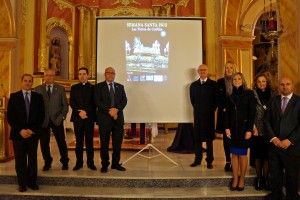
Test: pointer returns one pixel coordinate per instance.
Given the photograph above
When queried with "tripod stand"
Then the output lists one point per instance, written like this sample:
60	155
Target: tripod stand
149	147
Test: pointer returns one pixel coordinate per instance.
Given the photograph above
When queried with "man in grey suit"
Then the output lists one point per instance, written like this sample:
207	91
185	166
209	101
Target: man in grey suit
56	109
283	127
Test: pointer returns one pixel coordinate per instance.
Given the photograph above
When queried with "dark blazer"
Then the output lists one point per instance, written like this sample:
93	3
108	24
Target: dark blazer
56	108
16	114
103	103
286	125
203	99
239	116
82	98
221	102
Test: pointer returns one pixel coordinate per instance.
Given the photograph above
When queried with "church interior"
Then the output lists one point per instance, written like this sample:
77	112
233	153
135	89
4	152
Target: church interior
35	35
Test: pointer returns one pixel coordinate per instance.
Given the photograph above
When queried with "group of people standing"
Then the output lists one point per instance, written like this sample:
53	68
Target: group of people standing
258	118
34	113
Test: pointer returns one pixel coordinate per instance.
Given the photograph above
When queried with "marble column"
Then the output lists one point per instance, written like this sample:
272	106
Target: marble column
43	51
81	60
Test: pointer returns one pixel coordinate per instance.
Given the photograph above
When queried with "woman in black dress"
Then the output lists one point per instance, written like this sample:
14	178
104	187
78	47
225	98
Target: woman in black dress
239	121
224	86
263	93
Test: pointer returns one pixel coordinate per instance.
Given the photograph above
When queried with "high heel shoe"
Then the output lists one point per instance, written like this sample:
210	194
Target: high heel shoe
238	188
231	187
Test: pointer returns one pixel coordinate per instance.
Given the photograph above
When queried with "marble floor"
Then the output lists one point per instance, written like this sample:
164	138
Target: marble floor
138	168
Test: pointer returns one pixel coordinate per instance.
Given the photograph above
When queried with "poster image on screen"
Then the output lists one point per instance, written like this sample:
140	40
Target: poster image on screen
156	59
147	52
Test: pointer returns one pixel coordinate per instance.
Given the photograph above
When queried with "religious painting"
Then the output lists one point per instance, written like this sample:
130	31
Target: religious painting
55	55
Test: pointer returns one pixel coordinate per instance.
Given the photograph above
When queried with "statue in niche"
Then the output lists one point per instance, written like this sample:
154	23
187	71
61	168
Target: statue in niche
55	55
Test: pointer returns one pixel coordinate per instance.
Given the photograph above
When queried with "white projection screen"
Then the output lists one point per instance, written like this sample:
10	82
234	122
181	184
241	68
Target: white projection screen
156	60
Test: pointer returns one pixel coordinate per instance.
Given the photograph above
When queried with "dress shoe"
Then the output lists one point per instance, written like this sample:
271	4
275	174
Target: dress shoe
104	170
194	164
92	167
209	166
47	167
33	186
258	185
77	167
227	167
65	167
118	167
22	188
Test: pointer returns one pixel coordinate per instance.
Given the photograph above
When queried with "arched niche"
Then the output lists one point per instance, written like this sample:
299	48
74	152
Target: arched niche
60	47
265	53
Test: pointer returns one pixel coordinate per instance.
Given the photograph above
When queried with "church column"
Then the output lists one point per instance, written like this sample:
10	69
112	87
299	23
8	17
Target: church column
81	60
43	51
93	45
211	38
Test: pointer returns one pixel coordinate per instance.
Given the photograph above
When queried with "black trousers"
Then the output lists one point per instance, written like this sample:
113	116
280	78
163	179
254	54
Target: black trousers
280	163
142	131
84	131
59	135
116	131
226	146
198	148
26	160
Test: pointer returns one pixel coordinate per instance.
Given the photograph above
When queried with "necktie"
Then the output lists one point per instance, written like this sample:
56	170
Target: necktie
49	90
202	82
284	102
111	94
27	105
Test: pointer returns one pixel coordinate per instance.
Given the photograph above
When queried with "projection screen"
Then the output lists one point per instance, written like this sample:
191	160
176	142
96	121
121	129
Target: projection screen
156	60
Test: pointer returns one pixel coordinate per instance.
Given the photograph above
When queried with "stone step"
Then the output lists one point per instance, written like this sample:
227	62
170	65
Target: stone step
140	182
50	192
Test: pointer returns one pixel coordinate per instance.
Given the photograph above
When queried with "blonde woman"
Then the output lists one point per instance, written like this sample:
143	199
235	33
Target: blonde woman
239	121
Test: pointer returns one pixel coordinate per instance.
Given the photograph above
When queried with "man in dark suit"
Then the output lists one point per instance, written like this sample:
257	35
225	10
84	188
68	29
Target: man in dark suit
282	122
56	109
203	99
110	100
25	115
83	116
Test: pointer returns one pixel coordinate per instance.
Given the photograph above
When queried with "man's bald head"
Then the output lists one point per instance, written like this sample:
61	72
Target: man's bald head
286	85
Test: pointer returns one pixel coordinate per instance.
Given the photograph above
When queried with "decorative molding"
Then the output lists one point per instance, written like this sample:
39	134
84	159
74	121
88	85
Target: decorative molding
126	2
183	3
237	37
126	10
24	9
56	22
62	4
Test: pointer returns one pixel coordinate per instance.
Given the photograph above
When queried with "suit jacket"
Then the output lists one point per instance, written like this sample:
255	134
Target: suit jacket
56	107
203	99
285	125
17	118
239	116
221	102
103	103
82	98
